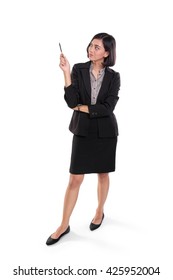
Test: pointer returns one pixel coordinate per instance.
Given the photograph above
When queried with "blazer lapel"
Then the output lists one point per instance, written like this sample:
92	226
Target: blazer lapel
86	79
105	84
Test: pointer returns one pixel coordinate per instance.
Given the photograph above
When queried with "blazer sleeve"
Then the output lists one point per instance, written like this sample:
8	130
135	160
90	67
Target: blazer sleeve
71	95
107	106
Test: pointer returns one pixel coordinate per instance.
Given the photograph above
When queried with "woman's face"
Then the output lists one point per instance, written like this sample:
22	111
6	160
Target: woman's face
96	51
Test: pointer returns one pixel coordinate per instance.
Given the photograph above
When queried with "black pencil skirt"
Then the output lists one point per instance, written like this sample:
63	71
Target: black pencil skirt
92	154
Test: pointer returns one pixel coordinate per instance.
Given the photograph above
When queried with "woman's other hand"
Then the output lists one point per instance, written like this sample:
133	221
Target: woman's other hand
81	108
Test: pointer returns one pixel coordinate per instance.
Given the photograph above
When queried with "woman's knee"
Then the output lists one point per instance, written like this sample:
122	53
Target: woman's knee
75	180
103	176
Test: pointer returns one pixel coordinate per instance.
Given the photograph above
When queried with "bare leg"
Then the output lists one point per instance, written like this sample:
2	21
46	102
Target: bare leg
102	192
69	202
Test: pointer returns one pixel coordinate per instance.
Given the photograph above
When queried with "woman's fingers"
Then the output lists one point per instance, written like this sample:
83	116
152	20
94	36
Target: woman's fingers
62	59
64	64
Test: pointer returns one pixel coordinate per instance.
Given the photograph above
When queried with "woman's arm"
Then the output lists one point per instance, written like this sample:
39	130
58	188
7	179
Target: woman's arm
65	67
71	95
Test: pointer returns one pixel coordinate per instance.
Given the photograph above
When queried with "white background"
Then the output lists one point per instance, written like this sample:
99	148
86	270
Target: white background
35	142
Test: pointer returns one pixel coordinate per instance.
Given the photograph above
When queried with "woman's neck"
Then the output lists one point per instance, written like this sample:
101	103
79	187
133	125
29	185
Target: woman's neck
97	65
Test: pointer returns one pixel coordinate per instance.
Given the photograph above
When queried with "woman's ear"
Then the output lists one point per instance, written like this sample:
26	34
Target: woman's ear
106	54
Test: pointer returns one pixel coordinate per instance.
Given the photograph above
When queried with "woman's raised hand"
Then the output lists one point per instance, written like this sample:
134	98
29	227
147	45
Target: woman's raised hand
64	64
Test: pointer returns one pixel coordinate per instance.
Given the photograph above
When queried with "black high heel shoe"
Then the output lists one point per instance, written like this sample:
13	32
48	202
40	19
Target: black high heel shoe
51	241
95	226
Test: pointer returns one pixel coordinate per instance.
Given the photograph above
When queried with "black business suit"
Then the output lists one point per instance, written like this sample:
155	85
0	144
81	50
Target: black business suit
99	125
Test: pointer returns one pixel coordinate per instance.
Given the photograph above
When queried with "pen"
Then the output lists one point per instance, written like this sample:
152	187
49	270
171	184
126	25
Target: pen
60	47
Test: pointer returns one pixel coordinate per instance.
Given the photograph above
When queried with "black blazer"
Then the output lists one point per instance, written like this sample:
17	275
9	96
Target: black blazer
79	92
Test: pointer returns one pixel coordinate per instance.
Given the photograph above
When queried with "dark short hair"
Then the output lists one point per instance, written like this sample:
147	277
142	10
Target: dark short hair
109	44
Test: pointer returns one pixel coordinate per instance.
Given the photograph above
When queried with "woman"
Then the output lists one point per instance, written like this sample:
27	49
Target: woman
91	91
